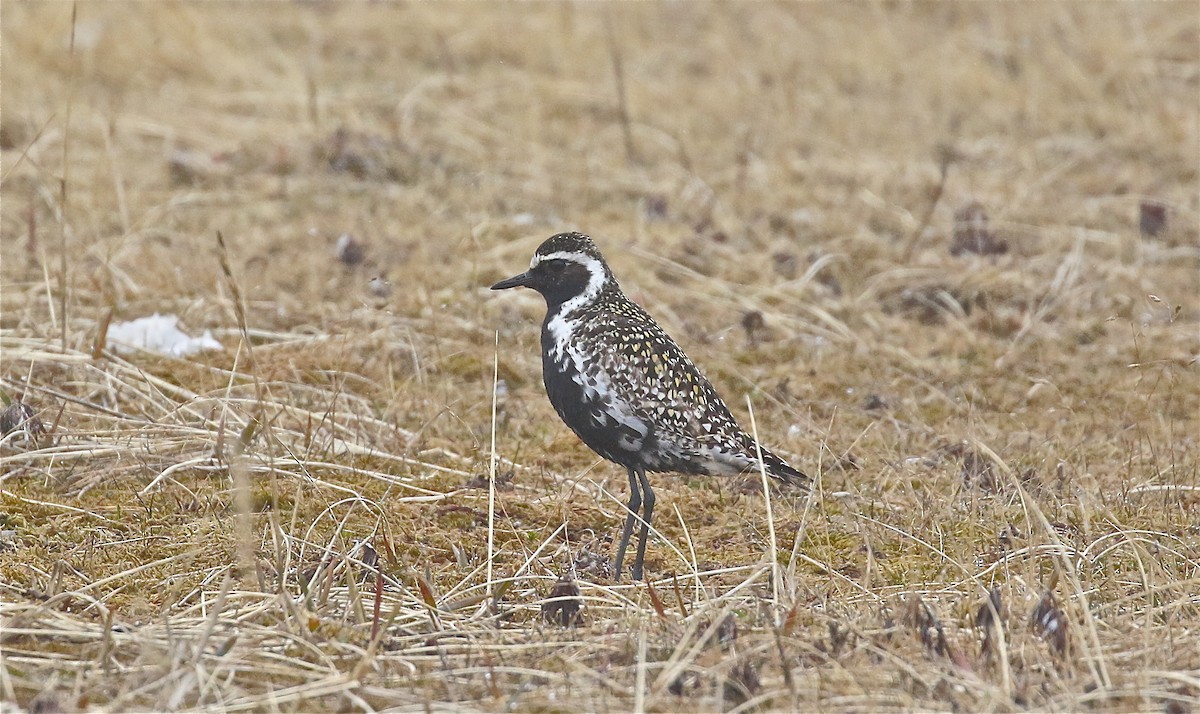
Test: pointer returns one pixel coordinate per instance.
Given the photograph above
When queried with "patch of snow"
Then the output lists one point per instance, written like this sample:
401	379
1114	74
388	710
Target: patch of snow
158	333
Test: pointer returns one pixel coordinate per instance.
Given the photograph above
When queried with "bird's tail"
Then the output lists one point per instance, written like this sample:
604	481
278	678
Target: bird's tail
779	469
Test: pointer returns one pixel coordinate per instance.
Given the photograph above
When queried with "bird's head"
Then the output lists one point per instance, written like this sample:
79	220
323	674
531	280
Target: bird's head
568	266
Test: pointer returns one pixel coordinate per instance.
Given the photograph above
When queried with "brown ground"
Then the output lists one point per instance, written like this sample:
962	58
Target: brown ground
1005	402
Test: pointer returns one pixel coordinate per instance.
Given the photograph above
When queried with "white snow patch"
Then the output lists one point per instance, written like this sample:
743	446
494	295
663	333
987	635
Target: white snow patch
159	333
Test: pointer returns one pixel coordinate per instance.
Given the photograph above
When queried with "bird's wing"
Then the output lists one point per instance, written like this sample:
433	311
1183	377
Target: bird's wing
647	370
650	375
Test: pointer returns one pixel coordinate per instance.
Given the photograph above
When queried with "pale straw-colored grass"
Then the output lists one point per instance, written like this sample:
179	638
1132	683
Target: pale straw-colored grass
365	502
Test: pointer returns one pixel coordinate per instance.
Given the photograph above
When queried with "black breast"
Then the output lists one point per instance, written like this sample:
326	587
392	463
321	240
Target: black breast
590	414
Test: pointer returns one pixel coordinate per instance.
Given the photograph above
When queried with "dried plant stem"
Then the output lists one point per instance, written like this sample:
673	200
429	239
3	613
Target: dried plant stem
64	280
618	69
491	537
946	156
766	489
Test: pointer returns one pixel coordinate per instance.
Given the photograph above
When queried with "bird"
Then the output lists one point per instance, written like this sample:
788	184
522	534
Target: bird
626	389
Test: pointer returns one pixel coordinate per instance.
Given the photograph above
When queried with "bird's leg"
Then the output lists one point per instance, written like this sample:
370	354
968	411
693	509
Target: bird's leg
647	514
635	503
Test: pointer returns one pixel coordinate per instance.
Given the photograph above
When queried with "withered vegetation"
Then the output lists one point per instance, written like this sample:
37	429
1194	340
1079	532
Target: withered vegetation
948	250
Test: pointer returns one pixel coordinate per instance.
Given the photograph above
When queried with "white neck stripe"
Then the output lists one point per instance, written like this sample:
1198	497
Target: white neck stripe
560	329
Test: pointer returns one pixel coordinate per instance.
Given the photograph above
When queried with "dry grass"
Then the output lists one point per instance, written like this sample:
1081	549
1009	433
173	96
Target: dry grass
1006	515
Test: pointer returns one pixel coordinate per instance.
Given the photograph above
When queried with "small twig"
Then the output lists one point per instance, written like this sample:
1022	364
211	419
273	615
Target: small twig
618	67
639	694
24	153
946	157
679	596
375	614
101	341
239	305
788	679
766	486
64	282
687	537
491	535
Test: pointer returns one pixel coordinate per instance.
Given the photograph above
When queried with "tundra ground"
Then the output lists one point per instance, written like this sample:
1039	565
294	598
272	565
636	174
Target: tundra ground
947	252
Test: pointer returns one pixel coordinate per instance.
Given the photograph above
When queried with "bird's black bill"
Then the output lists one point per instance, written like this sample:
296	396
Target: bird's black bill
516	281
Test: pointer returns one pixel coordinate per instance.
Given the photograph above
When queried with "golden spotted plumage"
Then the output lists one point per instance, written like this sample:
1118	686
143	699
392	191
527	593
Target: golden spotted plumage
624	386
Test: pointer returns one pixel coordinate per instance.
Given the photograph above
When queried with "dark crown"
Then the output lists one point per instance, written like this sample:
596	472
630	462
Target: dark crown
570	243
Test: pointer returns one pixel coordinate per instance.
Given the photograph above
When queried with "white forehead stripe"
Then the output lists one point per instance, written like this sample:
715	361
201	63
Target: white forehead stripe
572	255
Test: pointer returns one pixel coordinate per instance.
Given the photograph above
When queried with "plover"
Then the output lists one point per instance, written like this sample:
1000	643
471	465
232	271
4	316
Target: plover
625	388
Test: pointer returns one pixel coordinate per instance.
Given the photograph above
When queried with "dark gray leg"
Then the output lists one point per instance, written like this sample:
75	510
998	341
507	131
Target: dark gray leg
635	503
647	514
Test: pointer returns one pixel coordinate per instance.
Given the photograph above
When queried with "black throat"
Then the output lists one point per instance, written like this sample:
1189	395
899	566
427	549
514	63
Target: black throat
568	282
